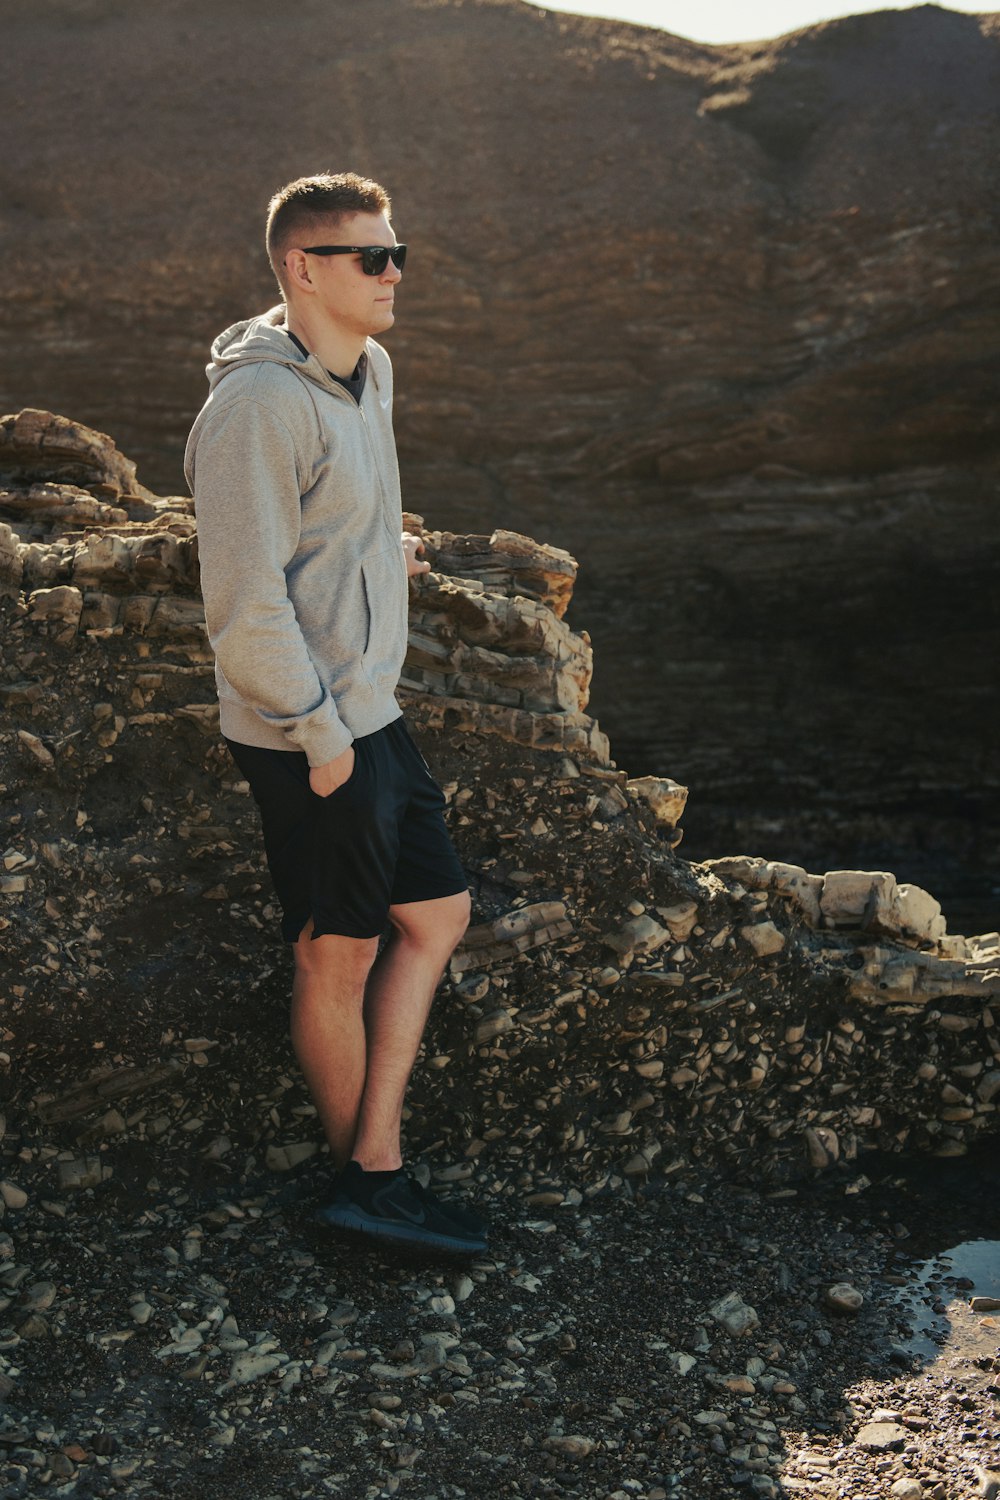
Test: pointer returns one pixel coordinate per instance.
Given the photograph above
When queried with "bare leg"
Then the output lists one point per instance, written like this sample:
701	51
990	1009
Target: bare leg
328	1029
397	1002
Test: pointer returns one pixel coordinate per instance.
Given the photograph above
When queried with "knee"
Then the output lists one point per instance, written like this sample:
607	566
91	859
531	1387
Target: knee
454	919
463	913
437	925
348	960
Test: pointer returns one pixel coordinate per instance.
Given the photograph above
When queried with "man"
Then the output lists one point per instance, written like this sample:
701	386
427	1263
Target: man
292	464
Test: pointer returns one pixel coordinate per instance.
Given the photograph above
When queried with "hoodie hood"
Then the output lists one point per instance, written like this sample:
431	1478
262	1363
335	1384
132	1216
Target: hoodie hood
264	340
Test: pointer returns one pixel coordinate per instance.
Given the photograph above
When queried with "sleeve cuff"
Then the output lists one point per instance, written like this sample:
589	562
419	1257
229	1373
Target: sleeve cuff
323	742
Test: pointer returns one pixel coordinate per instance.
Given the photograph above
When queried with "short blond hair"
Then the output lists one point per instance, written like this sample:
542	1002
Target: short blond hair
311	203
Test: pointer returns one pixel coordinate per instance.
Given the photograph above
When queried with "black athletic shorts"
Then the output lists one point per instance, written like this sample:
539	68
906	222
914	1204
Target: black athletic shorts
378	841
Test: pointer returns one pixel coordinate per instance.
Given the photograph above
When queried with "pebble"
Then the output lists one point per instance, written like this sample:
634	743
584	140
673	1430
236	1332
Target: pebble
34	746
34	1327
572	1447
736	1316
292	1154
880	1437
843	1298
763	937
492	1026
82	1172
246	1368
342	1315
39	1296
640	935
185	1343
822	1147
431	1357
459	1171
14	1197
907	1489
742	1385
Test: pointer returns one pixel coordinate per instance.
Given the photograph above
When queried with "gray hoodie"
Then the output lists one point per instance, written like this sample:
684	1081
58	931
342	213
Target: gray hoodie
296	492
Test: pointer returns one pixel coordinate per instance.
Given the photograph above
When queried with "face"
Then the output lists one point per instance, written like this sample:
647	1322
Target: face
356	304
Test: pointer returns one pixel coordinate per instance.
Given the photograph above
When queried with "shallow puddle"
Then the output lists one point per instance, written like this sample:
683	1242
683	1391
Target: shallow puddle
938	1296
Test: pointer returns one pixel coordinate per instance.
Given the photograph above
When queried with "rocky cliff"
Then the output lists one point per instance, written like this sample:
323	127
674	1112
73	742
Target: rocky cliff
719	320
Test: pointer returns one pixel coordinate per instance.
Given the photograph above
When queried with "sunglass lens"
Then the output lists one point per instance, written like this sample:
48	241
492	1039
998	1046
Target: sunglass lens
375	258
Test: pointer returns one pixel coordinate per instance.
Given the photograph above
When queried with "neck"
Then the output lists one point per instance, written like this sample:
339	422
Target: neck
336	350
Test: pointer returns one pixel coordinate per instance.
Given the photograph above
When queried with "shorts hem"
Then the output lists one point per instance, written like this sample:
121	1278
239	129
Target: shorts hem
333	931
436	895
330	928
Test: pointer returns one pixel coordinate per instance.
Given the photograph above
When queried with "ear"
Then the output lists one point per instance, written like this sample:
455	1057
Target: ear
297	272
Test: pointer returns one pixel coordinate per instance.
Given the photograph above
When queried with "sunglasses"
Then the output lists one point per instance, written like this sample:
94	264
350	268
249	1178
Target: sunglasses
374	258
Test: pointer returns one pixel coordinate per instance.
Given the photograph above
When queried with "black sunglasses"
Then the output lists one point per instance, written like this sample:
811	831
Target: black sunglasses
374	258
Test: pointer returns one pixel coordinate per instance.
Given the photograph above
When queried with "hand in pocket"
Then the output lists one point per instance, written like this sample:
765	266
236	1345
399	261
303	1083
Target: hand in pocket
324	780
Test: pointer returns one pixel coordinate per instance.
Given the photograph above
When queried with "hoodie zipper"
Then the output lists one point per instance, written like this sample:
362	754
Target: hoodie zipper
339	390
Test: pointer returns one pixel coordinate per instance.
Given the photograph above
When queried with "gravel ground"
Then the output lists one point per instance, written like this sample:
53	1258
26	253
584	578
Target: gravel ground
194	1339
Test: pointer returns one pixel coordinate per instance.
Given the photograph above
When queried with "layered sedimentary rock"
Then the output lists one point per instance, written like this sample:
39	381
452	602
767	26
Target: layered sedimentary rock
494	636
613	1013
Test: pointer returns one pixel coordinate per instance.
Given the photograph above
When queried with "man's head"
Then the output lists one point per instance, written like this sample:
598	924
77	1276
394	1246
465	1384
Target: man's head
306	211
335	296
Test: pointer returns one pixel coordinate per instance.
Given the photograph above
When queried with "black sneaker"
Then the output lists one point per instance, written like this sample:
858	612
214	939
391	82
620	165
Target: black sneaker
398	1210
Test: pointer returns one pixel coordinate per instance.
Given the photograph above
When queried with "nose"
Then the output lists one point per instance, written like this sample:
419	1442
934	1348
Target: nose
391	274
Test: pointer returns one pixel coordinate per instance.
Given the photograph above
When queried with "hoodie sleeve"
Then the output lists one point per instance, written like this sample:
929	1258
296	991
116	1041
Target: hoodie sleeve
245	479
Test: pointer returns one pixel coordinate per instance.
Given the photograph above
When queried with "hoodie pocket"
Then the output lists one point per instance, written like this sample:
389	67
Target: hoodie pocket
386	601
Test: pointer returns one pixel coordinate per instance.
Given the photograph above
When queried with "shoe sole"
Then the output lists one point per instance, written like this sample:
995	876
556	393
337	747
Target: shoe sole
346	1217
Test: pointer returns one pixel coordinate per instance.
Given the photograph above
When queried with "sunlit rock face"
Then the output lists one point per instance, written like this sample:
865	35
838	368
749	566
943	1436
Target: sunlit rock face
614	1012
633	256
